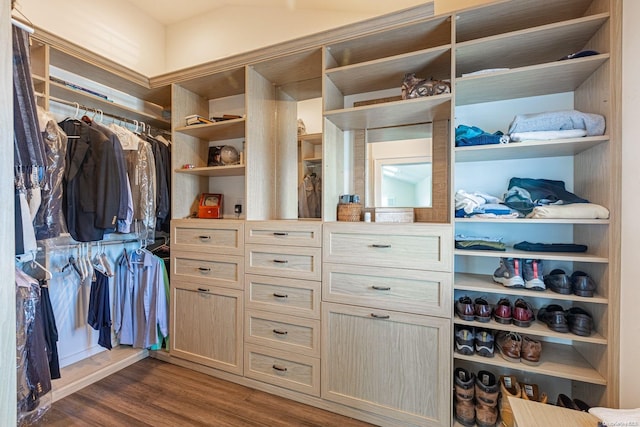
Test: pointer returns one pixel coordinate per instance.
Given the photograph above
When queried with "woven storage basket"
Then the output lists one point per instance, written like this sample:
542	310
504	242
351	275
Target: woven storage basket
349	212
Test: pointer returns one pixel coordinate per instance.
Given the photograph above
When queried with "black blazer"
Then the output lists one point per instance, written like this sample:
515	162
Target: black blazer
91	182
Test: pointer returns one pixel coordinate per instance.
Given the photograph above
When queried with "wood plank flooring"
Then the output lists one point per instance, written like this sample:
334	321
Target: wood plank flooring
155	393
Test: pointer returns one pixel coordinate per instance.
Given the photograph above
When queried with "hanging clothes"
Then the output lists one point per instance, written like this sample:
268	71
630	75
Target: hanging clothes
91	189
50	330
141	308
310	197
99	316
49	221
34	378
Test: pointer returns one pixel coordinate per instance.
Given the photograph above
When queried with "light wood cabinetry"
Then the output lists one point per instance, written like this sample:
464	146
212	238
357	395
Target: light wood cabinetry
375	355
207	293
529	46
282	297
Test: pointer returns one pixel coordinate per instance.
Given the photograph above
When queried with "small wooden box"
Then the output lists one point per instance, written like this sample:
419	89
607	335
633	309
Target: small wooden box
210	206
393	215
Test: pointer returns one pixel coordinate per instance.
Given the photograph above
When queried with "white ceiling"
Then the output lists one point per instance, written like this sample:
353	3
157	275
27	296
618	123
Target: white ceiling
171	11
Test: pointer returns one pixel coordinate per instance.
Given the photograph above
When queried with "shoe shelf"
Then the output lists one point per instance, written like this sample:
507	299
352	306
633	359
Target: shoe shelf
534	80
556	360
528	149
228	129
556	256
484	284
537	329
214	171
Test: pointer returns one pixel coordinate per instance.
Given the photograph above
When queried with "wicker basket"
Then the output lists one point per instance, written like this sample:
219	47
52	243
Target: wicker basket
349	212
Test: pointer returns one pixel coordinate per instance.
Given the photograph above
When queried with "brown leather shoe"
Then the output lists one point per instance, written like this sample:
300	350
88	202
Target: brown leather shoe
531	350
510	345
509	387
465	412
522	313
531	392
502	311
464	383
486	416
465	309
482	310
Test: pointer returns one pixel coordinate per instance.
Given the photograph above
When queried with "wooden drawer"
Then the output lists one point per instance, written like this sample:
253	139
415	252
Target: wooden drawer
207	269
411	291
283	261
413	246
279	331
288	370
208	236
289	233
291	296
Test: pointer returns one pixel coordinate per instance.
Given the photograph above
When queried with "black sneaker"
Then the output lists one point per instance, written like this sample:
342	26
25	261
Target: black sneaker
509	273
532	274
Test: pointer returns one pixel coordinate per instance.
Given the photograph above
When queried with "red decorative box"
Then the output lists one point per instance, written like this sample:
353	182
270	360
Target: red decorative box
210	206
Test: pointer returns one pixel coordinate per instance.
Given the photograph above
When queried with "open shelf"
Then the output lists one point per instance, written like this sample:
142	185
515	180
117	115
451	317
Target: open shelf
60	92
484	284
537	329
528	47
228	129
528	149
556	360
312	138
533	221
542	79
514	253
211	171
397	113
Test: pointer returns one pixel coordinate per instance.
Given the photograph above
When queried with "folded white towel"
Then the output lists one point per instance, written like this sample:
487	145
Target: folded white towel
617	417
545	135
572	211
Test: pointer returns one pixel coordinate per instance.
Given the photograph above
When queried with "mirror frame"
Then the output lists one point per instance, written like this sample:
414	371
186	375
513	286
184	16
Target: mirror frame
439	211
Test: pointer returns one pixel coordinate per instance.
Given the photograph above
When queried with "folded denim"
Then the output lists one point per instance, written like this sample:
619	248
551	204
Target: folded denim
550	247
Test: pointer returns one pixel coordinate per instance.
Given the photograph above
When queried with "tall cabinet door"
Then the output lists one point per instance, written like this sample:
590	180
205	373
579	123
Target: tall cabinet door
209	330
361	366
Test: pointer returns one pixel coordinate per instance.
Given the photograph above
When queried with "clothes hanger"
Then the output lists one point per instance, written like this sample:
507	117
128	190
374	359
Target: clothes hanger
105	261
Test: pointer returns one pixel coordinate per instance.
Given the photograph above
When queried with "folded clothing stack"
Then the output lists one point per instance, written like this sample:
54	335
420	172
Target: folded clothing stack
471	135
555	124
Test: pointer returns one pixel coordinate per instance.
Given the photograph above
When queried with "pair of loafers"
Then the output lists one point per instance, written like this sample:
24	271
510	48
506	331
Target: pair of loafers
575	319
579	283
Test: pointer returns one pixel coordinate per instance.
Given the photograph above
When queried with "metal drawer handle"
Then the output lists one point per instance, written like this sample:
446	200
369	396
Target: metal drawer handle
204	269
280	332
380	246
203	290
280	261
280	233
205	237
381	288
279	368
379	316
279	295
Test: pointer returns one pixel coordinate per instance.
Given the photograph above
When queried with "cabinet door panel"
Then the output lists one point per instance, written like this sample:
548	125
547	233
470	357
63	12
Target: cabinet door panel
206	327
388	363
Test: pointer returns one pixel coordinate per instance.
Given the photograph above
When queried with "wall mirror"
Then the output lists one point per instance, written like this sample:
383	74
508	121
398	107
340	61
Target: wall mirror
405	166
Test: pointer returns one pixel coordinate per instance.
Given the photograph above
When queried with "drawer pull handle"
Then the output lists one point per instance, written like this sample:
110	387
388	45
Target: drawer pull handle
280	261
204	269
279	233
279	368
380	246
279	295
203	290
205	237
379	316
381	288
280	332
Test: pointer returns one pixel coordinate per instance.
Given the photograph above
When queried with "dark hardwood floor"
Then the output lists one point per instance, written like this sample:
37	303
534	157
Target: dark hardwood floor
155	393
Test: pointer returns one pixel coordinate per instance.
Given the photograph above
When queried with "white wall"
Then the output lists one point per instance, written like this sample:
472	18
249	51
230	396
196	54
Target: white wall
630	292
112	28
233	29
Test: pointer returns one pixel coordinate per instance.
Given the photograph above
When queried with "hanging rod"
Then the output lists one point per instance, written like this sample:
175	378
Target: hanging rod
96	243
113	116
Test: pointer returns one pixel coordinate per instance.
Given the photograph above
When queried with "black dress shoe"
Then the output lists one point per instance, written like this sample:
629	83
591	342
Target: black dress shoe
580	321
581	405
558	282
555	318
565	401
582	284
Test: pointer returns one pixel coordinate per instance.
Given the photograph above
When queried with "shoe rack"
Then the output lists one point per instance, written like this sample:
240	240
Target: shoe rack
528	39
